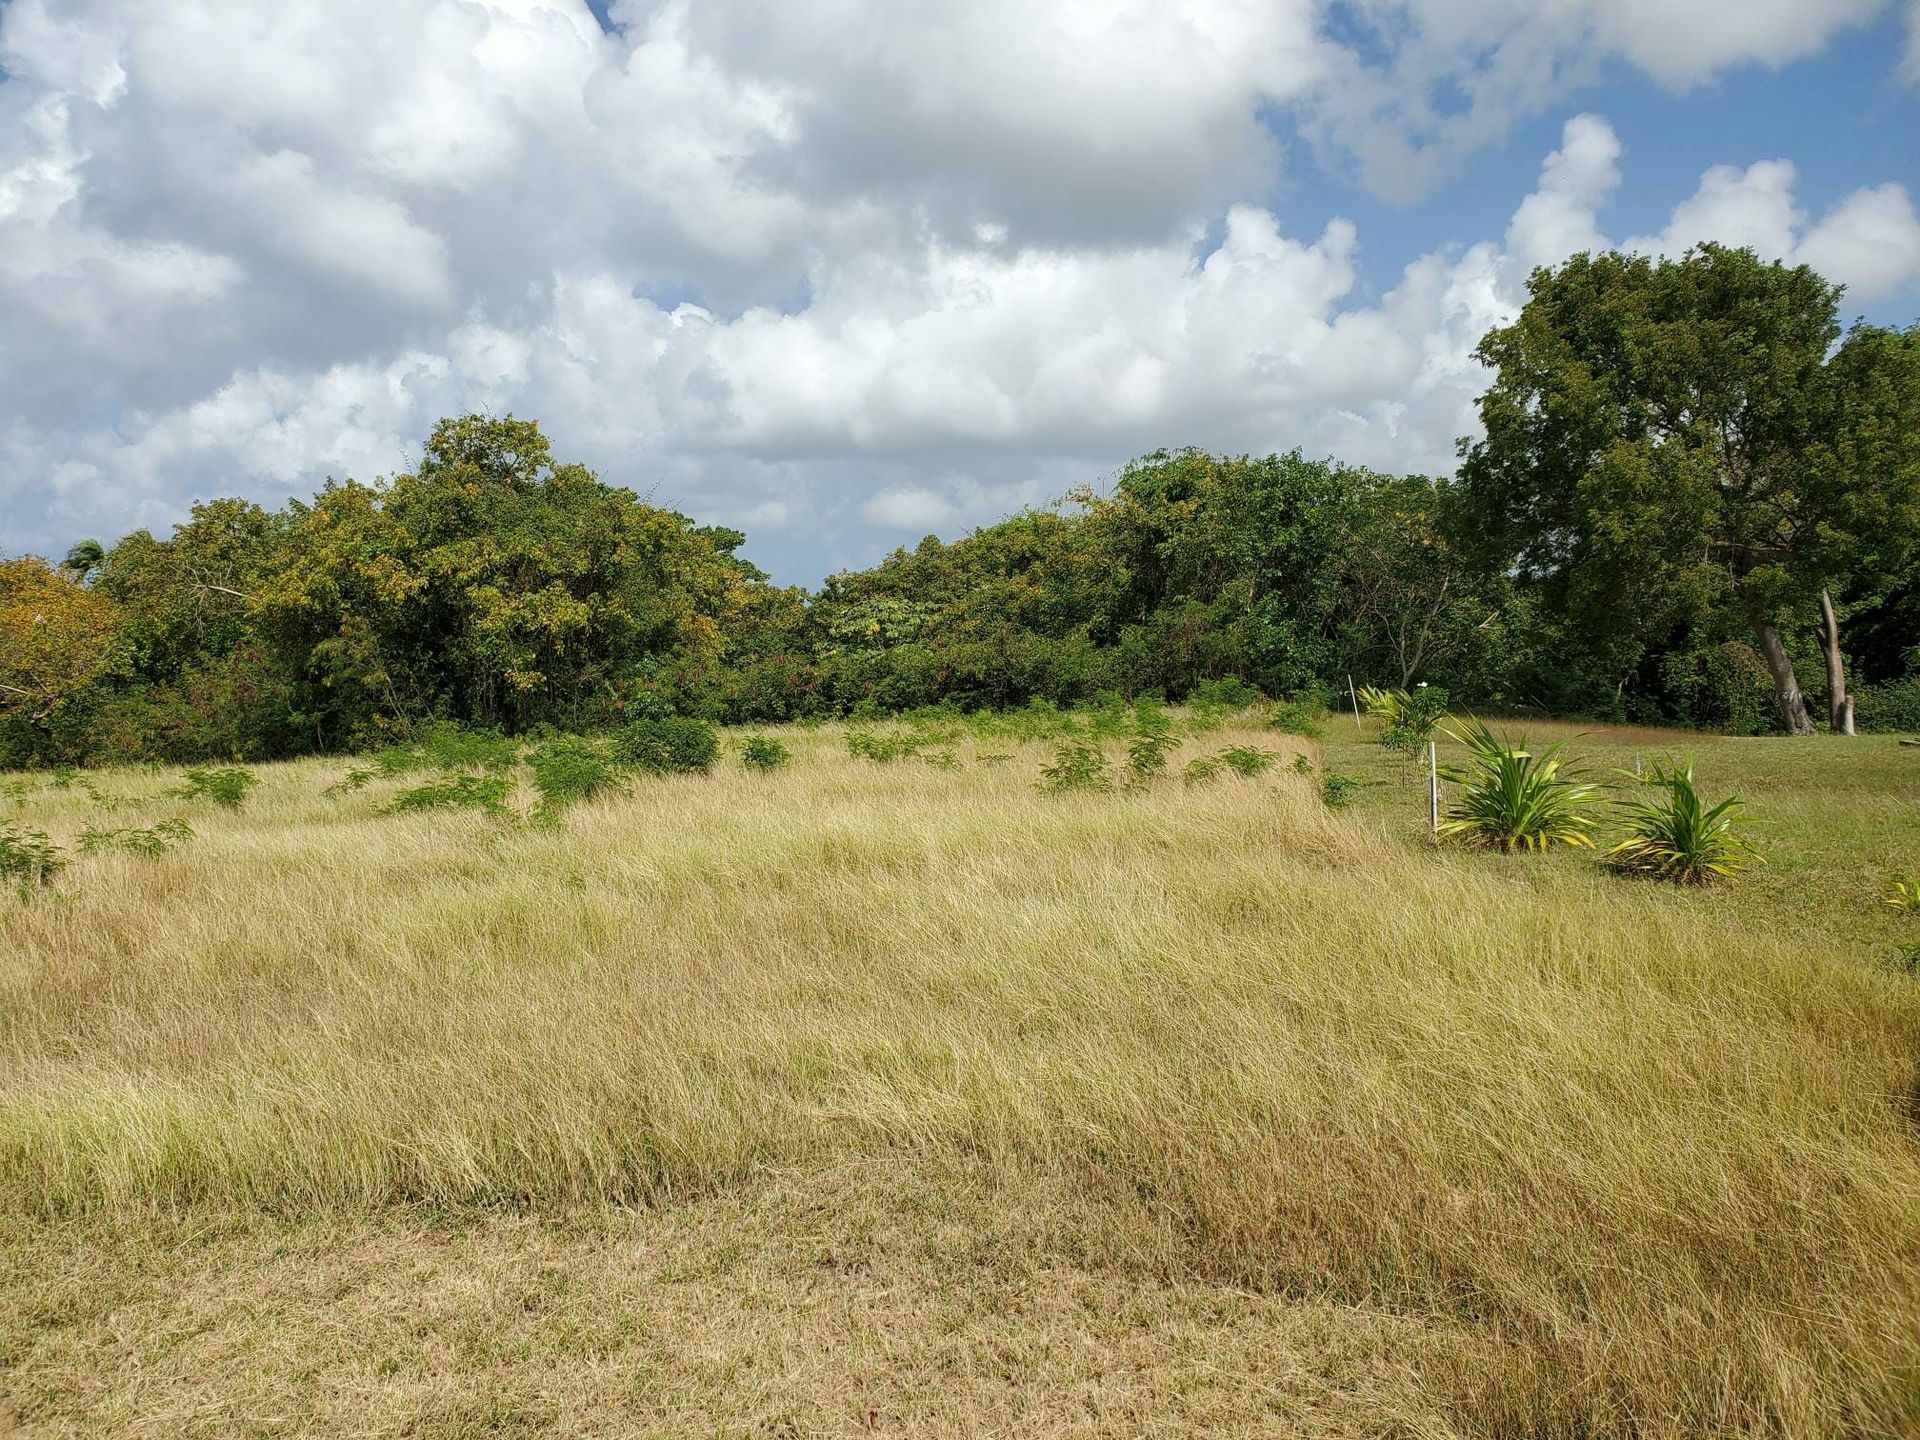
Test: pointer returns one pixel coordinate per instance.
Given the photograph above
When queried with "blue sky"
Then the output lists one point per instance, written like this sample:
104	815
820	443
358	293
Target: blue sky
844	275
1844	116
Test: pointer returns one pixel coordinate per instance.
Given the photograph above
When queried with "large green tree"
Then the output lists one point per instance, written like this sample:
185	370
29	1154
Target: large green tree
492	585
1668	437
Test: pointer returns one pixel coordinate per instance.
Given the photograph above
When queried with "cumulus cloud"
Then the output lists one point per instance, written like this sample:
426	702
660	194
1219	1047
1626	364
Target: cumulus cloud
822	272
919	510
1435	79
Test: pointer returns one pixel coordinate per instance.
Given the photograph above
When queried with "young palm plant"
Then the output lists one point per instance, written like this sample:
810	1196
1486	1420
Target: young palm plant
1514	799
1675	835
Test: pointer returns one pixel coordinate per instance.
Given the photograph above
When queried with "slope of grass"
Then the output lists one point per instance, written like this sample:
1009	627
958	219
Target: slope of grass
910	1098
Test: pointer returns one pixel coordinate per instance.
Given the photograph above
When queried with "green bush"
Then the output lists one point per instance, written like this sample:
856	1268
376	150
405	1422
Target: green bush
441	745
883	749
648	705
1889	709
1240	759
1417	717
455	792
1227	694
1720	687
227	786
1515	799
567	770
1297	717
28	858
1677	836
1153	741
1338	791
673	745
151	840
764	753
1076	765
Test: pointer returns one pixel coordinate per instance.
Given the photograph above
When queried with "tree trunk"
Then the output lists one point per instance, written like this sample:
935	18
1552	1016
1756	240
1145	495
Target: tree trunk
1786	689
1841	703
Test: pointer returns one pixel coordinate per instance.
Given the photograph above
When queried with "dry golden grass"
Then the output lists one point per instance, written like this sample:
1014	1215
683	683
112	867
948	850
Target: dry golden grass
888	1097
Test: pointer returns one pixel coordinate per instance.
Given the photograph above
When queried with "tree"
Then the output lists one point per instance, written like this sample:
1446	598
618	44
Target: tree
1664	437
83	559
56	638
493	586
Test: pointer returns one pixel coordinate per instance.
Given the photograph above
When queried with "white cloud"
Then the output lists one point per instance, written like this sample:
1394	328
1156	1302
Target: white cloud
918	510
1870	240
834	269
1561	217
1458	73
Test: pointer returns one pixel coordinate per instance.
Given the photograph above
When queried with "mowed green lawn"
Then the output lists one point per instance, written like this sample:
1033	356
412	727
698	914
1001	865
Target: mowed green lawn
892	1098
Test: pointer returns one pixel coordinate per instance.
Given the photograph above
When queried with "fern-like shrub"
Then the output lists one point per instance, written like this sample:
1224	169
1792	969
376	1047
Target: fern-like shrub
1076	765
1515	799
1338	791
154	839
1675	835
764	753
227	787
28	859
883	749
1152	742
487	793
568	770
1297	717
1237	759
674	745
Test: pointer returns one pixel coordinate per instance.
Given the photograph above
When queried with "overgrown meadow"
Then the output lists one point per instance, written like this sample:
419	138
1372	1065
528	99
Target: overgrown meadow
1133	1070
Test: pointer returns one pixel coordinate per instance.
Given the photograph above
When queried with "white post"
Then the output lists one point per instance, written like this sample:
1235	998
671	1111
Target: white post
1354	696
1433	787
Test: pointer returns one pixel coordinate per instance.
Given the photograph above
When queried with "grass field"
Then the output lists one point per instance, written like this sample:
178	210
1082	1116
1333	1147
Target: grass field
889	1098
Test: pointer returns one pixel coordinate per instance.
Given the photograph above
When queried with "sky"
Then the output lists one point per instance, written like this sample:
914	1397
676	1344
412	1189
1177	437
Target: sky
844	273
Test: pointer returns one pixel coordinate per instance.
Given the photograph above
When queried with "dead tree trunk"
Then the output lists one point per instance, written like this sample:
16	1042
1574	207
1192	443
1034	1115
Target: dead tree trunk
1841	703
1786	688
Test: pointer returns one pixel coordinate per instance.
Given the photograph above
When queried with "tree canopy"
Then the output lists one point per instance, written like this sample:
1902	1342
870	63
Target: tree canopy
1671	439
1688	475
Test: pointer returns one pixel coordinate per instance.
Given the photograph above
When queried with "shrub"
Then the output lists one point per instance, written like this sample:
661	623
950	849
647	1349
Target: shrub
1417	716
1338	791
455	792
152	840
1516	800
883	749
1227	694
1720	687
446	746
442	745
28	858
763	753
648	705
1151	744
1677	836
227	786
1076	765
675	745
1240	759
1297	717
567	770
1891	707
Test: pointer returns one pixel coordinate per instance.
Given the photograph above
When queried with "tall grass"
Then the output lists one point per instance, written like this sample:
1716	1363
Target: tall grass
1636	1166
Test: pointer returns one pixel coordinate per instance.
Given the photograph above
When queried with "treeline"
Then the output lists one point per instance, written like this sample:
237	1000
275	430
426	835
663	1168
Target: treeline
1688	477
